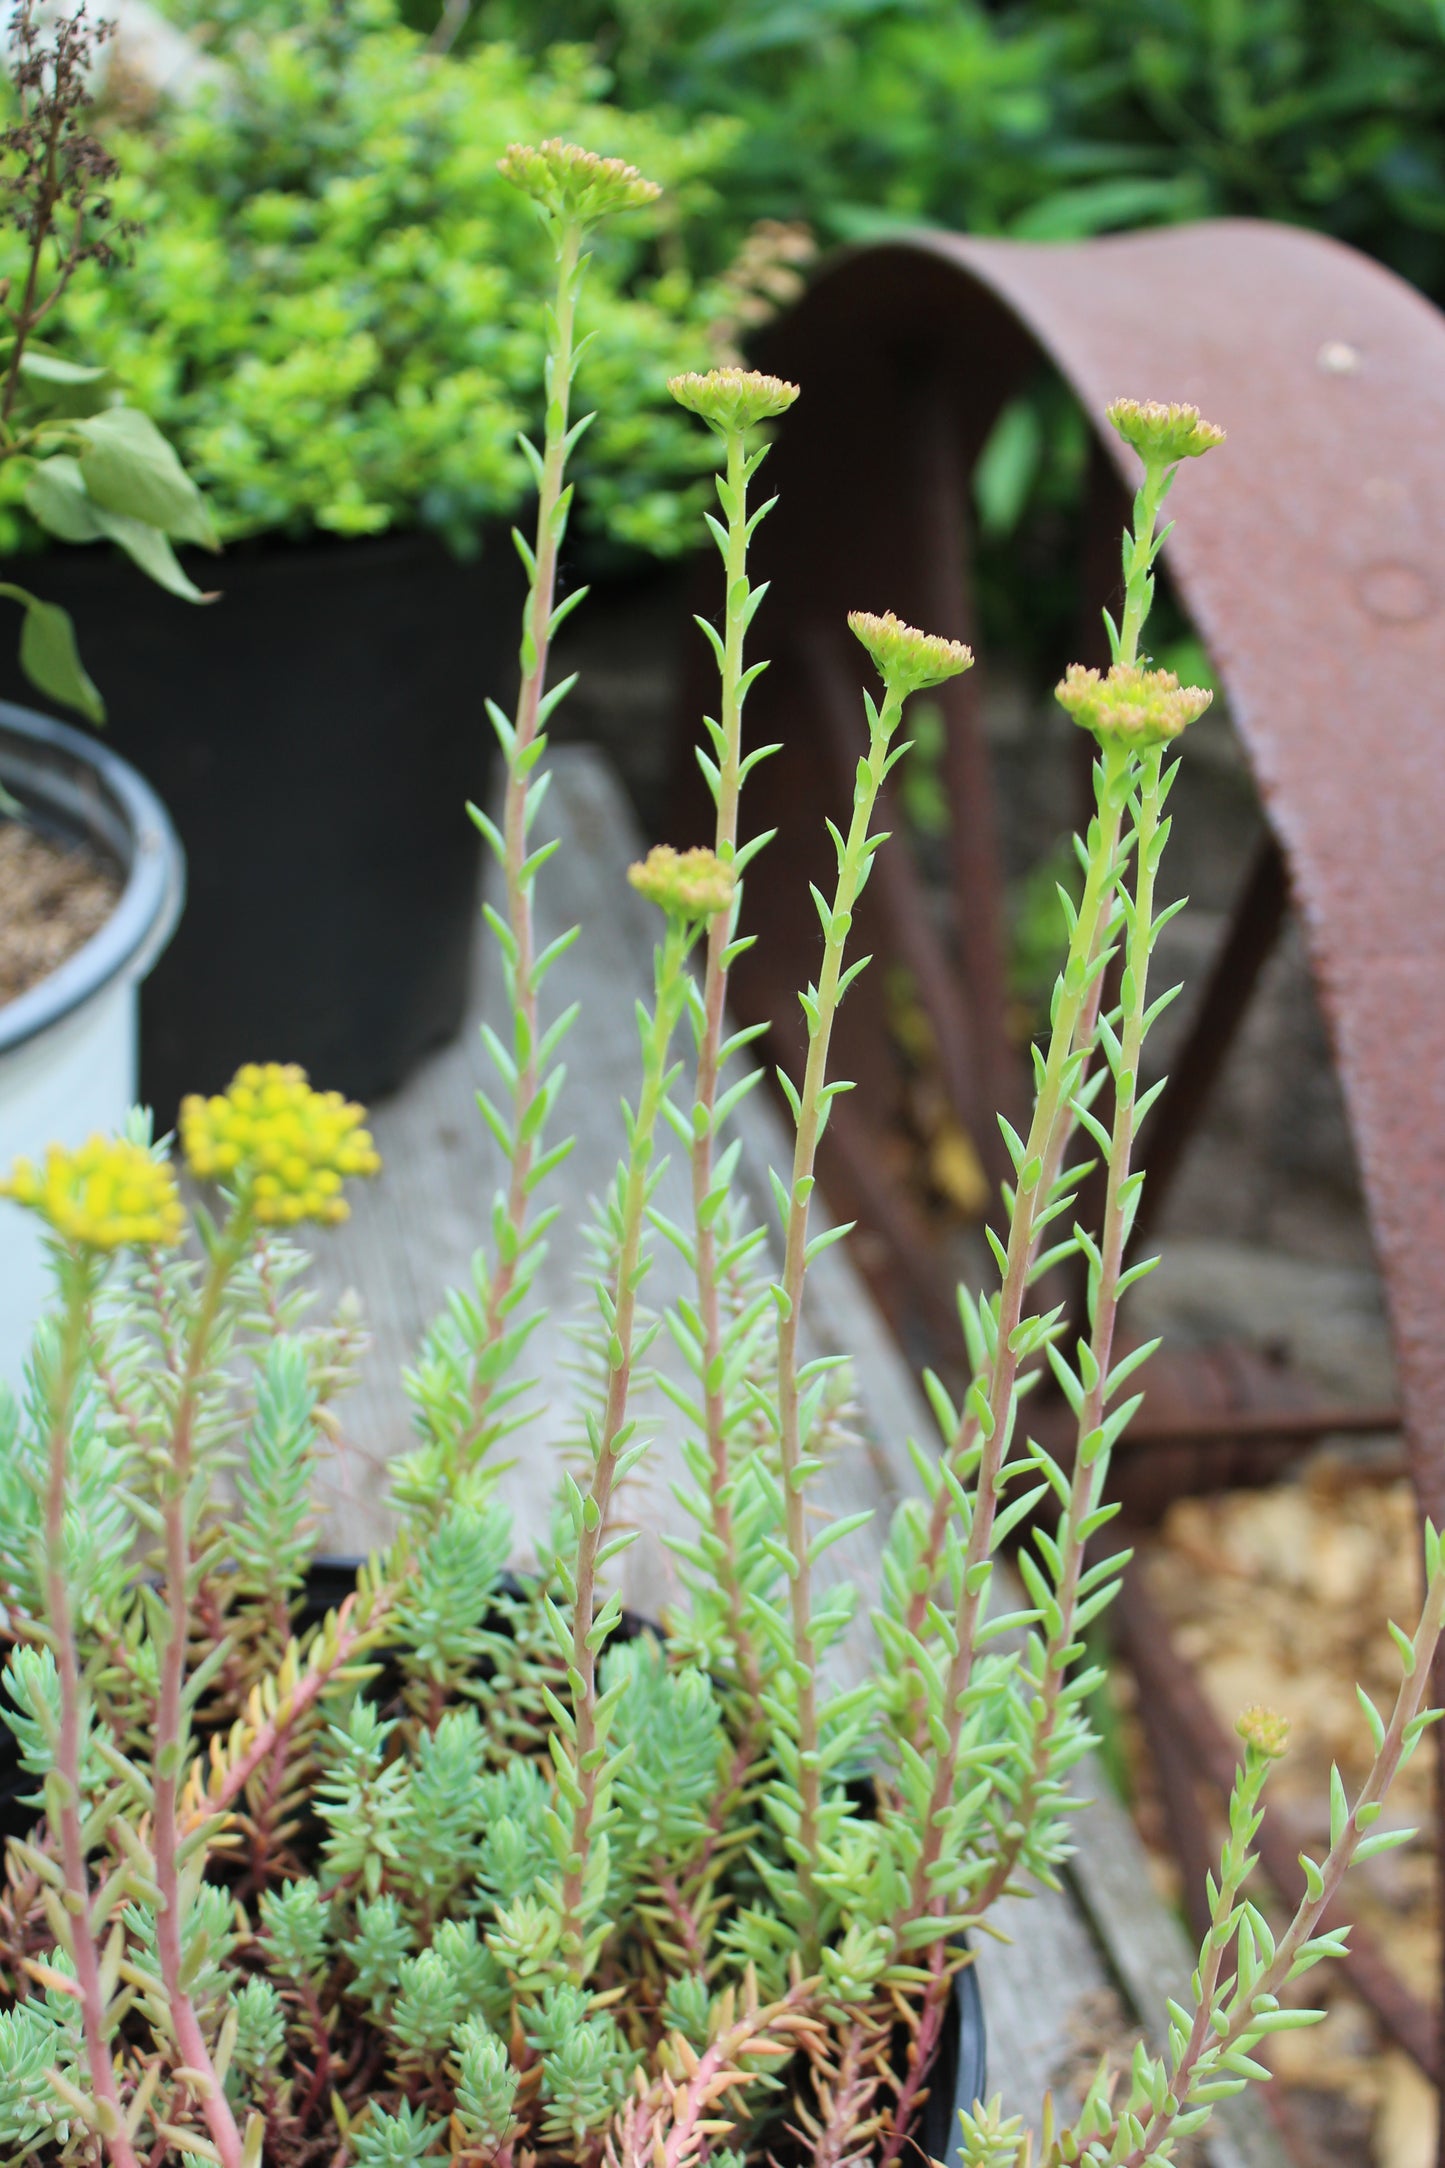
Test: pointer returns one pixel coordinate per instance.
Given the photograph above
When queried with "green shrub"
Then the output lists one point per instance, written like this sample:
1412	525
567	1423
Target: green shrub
1050	118
324	316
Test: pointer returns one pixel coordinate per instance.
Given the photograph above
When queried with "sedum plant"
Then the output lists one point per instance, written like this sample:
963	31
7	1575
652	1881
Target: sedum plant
477	1868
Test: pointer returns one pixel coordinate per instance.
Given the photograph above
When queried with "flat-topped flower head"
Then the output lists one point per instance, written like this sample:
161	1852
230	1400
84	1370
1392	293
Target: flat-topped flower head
731	400
105	1194
688	885
1142	707
1264	1729
286	1148
907	659
1163	434
573	183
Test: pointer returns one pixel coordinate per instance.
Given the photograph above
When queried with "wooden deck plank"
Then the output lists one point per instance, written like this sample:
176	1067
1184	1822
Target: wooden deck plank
412	1236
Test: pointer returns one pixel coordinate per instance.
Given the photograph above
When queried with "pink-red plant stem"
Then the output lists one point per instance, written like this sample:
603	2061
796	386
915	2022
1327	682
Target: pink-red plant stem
589	1745
1049	1109
541	599
170	1709
83	1950
853	862
714	996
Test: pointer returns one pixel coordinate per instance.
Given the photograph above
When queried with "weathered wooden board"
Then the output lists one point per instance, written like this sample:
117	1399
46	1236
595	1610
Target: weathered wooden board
412	1237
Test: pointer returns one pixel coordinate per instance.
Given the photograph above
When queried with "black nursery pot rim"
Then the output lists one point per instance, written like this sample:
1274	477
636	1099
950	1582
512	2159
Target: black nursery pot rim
93	795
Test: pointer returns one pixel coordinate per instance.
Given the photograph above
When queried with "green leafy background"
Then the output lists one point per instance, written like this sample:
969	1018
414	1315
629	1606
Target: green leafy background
1048	118
335	309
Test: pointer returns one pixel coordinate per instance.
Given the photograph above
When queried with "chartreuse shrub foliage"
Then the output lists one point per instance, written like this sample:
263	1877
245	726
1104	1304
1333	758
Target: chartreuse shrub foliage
1046	118
465	1870
334	309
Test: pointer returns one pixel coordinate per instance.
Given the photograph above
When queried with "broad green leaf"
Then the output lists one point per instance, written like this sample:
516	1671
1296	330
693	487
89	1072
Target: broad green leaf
53	369
1007	467
130	468
49	656
147	547
71	389
56	497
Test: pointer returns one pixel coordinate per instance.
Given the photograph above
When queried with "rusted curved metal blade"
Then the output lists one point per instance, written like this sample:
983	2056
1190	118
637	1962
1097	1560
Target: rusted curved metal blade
1311	557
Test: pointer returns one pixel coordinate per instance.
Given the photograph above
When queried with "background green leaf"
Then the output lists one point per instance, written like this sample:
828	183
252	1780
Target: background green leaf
129	468
49	656
57	498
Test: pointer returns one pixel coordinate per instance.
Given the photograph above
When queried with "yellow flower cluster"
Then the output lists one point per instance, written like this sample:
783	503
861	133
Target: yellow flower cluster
288	1147
573	183
1264	1729
1163	433
907	659
1142	707
106	1194
731	400
685	884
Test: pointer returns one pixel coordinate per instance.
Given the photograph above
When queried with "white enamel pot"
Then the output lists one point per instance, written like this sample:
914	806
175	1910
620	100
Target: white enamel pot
68	1046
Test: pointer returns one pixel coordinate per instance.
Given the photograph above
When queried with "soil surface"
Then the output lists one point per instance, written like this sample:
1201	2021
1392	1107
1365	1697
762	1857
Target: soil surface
52	899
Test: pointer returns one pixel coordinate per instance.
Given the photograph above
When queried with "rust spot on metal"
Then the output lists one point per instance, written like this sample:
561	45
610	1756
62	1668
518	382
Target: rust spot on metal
1397	594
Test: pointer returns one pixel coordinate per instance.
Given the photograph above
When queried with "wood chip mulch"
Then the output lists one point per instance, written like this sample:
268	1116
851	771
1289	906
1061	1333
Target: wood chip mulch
1281	1596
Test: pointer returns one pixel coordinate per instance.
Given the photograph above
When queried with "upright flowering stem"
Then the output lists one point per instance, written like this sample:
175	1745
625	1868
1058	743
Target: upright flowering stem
732	402
171	1721
522	746
1134	713
100	1196
908	660
714	1002
573	189
1163	436
583	1784
65	1797
1140	711
1095	1439
287	1151
984	1429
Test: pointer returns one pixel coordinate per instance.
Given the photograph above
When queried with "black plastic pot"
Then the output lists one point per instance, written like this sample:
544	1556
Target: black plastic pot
960	2074
315	734
960	2071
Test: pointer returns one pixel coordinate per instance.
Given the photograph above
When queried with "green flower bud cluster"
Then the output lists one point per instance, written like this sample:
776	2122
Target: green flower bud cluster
1141	707
732	401
1163	433
689	885
908	660
575	184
